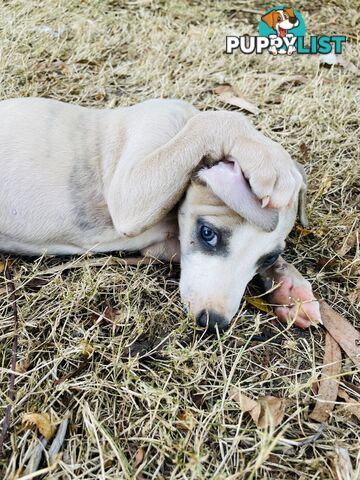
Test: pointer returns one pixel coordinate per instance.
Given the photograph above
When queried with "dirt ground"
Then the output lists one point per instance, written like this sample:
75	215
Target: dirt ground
88	337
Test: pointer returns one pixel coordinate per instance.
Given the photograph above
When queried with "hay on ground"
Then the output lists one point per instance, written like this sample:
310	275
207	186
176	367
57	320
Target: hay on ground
169	414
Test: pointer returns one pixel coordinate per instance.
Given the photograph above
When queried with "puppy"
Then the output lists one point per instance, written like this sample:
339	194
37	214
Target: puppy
205	188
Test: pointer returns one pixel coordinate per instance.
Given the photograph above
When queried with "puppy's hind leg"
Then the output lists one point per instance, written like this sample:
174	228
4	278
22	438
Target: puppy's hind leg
167	250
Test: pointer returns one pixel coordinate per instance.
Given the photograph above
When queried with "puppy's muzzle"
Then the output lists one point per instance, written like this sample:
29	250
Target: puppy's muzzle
212	321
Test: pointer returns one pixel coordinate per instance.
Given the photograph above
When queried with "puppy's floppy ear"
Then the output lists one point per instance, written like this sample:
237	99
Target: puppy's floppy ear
302	197
228	183
269	19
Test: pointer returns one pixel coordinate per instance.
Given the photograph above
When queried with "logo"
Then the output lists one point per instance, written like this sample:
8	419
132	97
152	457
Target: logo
282	31
283	26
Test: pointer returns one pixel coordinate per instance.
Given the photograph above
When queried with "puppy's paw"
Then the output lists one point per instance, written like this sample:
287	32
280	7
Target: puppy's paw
273	50
291	50
295	301
293	298
270	171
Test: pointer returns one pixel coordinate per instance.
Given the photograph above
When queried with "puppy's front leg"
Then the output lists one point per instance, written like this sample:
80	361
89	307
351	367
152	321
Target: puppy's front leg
293	298
145	188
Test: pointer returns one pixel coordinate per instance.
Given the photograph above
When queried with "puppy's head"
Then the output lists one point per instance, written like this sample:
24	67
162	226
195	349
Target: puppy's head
225	238
281	20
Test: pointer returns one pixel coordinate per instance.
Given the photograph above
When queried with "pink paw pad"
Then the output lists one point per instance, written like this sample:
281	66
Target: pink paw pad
296	301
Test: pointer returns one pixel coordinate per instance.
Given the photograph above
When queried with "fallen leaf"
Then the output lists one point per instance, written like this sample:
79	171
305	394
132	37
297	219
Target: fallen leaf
352	387
305	151
228	95
326	80
250	10
329	382
272	411
342	331
341	467
315	388
85	61
185	421
226	87
8	262
259	303
22	365
325	185
273	99
87	349
348	244
304	232
281	77
247	405
41	421
324	262
110	313
139	458
350	406
266	411
295	79
307	231
354	296
37	283
343	394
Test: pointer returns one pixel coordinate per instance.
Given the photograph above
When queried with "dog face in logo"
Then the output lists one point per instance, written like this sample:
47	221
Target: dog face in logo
281	21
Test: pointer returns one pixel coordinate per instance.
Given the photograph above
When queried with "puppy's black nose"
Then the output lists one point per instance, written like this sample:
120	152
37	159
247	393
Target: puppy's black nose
212	320
293	20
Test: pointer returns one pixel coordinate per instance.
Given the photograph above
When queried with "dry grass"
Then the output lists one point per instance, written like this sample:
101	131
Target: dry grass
175	404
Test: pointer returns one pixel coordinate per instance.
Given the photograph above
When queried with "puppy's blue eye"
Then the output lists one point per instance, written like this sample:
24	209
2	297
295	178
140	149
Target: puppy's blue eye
209	235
